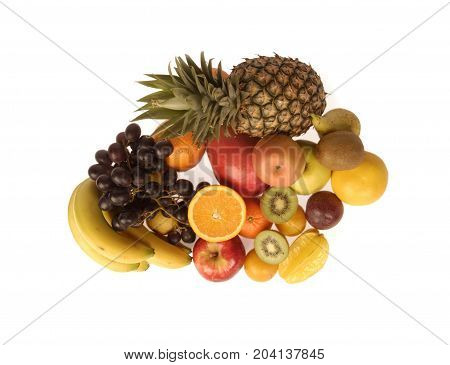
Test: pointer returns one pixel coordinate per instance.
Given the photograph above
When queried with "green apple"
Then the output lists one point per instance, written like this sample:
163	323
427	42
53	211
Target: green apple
315	175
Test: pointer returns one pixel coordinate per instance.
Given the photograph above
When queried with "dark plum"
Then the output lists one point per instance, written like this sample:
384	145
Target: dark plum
324	210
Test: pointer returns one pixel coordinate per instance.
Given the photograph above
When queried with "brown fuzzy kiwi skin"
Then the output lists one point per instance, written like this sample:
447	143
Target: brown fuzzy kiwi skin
341	150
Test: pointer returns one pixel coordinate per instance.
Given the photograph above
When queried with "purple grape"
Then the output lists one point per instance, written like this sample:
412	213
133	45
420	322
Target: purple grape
122	139
121	176
173	237
117	153
105	203
188	235
96	170
120	196
146	142
163	149
133	132
102	157
104	183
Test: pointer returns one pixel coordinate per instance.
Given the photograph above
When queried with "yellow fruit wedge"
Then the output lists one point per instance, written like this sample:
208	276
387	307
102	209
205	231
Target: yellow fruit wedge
307	255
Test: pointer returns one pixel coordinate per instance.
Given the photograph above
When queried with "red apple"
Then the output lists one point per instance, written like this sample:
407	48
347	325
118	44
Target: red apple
231	160
219	261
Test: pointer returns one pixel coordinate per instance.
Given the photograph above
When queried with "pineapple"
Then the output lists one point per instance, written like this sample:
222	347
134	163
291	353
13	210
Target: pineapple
262	96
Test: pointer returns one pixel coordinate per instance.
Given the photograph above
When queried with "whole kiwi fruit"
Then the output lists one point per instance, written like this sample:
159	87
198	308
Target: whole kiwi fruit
340	150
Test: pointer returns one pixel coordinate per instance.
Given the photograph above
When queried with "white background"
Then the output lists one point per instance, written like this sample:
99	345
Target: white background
54	115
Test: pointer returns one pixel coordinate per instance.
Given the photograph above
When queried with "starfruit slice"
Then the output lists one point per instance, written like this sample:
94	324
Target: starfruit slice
307	255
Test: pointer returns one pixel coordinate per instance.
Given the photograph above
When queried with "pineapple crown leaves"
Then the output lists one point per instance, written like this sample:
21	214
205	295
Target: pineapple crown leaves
193	99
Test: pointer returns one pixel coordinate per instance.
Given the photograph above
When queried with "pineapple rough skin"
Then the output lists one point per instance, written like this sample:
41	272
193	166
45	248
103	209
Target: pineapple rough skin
283	93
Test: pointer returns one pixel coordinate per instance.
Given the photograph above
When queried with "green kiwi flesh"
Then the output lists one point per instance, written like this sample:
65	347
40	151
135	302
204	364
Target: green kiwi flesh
271	247
279	204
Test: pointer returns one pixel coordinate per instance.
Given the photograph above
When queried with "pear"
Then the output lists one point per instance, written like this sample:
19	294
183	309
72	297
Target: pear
336	120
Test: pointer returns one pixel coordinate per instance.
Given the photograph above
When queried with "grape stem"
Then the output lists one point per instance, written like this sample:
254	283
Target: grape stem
171	194
148	214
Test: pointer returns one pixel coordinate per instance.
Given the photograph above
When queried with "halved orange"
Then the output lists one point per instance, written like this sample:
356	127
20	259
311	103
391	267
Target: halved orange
216	213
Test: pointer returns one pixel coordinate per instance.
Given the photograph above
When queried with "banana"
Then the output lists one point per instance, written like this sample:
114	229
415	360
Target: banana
166	255
101	260
99	235
143	266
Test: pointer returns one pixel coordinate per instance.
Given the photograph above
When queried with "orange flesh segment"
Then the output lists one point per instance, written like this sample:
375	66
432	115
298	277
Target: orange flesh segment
218	213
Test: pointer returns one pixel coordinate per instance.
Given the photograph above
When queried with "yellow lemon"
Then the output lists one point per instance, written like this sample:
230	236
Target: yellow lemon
362	185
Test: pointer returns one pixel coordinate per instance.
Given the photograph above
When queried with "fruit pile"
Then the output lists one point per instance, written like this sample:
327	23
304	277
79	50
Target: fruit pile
135	210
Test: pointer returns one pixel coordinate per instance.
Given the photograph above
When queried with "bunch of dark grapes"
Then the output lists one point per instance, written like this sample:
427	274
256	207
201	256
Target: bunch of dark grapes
136	183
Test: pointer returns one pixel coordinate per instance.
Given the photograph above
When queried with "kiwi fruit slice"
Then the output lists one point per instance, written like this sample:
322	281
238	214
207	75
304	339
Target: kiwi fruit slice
271	247
279	204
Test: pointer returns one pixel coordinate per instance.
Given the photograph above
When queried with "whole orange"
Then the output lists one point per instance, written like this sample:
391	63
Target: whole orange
257	269
186	154
255	221
223	73
295	225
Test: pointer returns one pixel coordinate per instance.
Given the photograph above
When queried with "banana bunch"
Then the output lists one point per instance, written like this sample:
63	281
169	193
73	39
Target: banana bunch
132	250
